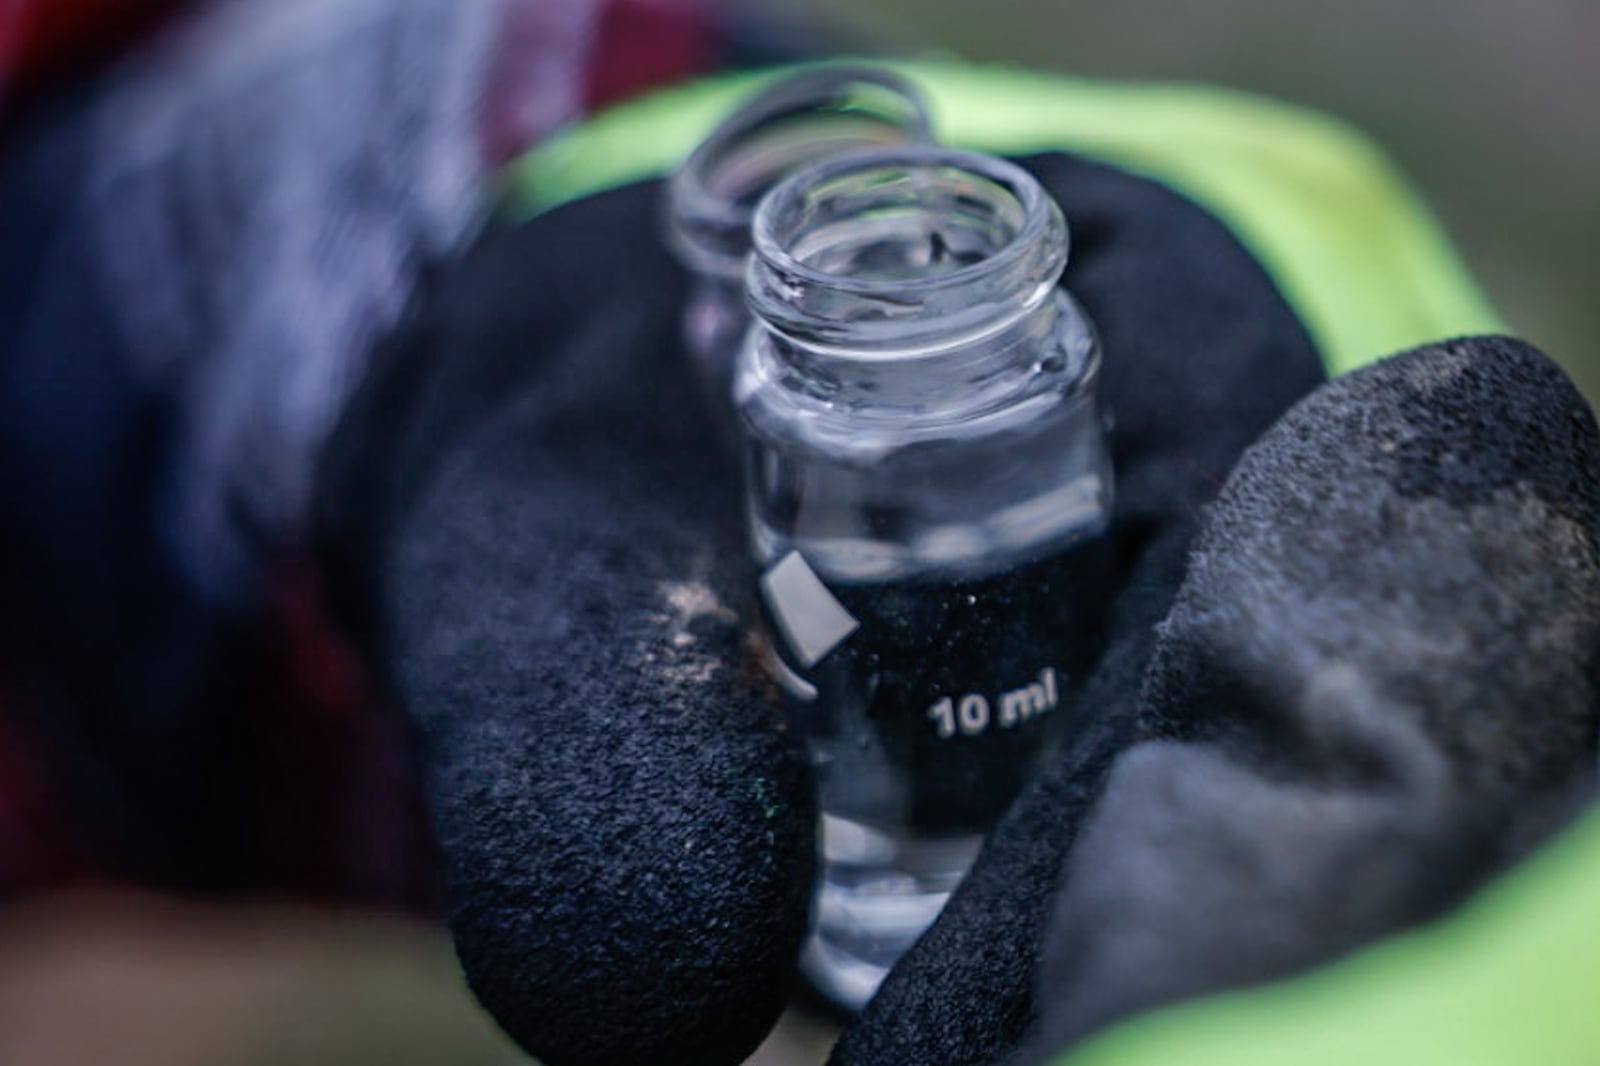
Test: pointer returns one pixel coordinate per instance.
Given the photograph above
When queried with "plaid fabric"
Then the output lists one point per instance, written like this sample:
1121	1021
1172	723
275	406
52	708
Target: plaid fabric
329	803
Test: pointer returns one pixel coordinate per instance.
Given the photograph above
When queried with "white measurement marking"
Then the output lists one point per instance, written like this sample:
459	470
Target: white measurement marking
973	712
811	619
972	716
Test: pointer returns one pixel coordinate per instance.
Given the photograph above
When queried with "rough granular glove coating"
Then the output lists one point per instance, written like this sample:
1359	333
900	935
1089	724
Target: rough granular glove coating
1201	356
553	552
1378	684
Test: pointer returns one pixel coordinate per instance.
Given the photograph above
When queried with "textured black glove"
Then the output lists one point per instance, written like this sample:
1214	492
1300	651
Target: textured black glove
1376	686
542	540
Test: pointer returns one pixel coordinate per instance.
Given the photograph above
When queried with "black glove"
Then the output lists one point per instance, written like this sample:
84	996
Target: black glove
1375	687
542	542
550	541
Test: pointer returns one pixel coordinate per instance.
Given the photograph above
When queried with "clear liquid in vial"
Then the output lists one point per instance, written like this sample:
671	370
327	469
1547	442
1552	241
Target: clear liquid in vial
924	723
927	483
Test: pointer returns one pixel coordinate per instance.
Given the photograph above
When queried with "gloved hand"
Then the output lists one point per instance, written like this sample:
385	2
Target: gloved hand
1375	687
1367	688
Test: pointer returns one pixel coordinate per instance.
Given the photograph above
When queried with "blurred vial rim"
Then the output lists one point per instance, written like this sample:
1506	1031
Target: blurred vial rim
711	197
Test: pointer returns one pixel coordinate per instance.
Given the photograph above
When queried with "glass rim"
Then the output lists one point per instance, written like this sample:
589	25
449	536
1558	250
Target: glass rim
771	254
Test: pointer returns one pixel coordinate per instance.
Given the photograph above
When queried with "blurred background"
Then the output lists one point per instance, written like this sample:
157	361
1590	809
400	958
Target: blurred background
1488	106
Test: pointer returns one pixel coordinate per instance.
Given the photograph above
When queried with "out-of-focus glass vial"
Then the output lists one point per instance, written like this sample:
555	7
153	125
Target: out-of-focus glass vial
928	483
815	114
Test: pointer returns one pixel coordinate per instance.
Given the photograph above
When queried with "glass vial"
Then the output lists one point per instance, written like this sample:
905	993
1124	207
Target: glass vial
815	114
927	485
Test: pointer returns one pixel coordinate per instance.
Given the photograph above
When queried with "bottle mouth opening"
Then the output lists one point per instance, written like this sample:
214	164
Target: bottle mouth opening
897	236
815	114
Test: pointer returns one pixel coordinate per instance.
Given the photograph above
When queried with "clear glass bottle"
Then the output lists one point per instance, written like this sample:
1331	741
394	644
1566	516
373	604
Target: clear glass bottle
927	485
815	114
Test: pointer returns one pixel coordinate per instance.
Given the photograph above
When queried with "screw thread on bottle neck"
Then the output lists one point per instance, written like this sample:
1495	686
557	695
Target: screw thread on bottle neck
904	276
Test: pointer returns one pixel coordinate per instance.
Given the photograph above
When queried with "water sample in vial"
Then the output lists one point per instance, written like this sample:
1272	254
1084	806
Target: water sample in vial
928	485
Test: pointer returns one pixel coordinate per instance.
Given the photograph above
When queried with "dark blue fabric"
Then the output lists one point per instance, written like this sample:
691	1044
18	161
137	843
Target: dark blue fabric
109	647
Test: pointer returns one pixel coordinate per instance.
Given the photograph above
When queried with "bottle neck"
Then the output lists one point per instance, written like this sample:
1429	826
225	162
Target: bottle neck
965	373
907	279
